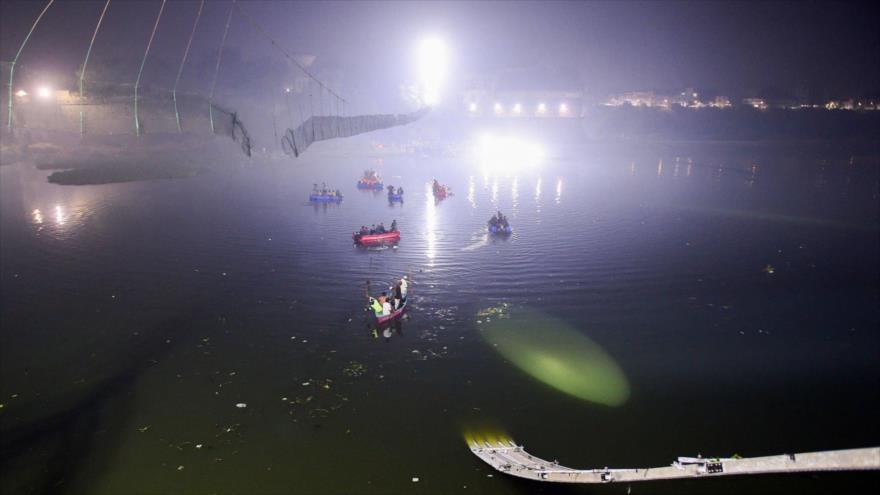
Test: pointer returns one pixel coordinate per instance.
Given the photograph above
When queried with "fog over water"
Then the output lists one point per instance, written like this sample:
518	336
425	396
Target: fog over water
733	291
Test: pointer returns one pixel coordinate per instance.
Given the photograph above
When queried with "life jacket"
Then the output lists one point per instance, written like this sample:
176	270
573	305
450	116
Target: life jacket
376	307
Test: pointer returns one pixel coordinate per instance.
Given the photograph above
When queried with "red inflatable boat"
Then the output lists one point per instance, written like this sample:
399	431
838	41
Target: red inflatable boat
392	236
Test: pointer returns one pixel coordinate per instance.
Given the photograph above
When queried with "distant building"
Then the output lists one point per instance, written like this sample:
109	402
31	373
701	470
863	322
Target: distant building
522	94
757	103
720	102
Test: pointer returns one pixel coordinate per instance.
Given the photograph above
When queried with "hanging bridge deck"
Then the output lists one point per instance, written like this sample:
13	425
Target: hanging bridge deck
512	459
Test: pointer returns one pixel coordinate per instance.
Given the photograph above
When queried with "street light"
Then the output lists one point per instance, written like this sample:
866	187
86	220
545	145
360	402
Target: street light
517	108
542	108
44	92
472	107
21	93
563	108
498	108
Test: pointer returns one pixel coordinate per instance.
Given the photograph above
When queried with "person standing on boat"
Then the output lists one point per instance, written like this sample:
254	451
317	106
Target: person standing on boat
394	225
386	305
400	191
398	296
403	284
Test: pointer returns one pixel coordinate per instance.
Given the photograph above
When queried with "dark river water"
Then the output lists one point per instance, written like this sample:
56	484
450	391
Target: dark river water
717	302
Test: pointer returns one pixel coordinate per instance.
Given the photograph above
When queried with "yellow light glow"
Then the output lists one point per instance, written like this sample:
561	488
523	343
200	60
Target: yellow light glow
563	108
517	108
21	93
542	108
498	108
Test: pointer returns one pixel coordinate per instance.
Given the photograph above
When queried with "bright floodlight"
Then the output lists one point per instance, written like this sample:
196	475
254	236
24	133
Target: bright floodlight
517	108
21	93
563	108
498	108
433	61
542	107
472	107
287	90
44	92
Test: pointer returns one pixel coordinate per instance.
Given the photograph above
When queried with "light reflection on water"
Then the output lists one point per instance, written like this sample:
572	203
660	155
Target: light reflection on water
430	224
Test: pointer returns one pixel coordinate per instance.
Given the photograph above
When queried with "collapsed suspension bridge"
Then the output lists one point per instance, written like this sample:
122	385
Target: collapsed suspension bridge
173	111
509	458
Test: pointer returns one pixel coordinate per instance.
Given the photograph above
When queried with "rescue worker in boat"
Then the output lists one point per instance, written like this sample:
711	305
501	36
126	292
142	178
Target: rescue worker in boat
493	222
379	305
364	230
372	229
397	296
315	188
375	305
381	228
386	305
390	189
400	191
394	225
403	285
436	186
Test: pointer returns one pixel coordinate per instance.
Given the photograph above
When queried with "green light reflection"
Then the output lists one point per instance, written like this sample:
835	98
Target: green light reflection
555	353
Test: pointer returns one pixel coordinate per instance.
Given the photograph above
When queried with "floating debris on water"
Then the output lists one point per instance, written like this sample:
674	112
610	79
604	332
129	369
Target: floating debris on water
500	311
241	405
354	369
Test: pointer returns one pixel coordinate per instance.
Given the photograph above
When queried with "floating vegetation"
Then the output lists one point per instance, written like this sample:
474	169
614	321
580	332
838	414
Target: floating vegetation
551	351
500	311
354	369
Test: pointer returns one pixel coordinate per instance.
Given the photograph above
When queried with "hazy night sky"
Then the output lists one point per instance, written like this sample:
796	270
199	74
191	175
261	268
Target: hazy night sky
729	47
